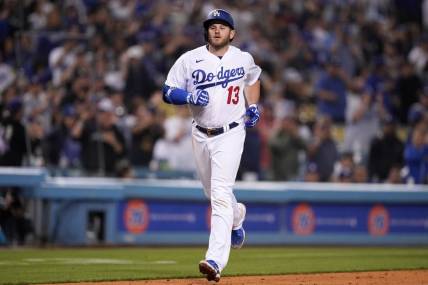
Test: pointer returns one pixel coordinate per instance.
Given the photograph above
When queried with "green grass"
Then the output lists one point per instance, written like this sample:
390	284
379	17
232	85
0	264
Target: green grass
24	266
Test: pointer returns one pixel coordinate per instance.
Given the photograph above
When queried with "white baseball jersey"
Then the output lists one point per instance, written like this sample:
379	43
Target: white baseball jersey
223	78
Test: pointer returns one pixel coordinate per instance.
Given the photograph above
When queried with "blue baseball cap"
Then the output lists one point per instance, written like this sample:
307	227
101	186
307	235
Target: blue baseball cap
219	15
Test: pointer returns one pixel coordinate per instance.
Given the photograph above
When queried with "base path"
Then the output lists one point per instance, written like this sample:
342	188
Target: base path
405	277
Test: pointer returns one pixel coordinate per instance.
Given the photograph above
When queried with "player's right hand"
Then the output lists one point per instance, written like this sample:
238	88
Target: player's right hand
253	116
199	98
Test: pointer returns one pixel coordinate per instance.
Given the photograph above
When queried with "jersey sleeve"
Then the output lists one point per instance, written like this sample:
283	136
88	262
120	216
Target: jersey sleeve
177	74
254	71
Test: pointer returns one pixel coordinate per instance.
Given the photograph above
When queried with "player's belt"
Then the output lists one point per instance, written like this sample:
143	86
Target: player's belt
216	131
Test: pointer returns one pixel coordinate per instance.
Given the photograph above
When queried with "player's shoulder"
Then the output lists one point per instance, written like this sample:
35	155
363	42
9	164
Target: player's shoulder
241	53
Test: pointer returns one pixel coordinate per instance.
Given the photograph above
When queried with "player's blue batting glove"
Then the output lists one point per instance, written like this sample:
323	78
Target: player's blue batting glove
253	116
199	98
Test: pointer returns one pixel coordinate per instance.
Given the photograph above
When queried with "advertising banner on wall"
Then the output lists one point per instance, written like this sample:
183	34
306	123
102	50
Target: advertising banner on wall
138	216
372	219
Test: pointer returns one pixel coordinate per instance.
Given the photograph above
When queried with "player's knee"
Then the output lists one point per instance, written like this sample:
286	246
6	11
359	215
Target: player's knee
221	203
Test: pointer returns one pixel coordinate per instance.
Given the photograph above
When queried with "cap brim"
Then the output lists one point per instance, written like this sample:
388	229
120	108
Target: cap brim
208	23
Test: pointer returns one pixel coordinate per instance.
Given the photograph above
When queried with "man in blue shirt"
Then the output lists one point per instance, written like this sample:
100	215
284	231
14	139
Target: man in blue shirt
331	90
416	156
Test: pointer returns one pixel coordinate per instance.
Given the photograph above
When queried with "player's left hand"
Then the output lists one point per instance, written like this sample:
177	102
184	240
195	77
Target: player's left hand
199	98
252	116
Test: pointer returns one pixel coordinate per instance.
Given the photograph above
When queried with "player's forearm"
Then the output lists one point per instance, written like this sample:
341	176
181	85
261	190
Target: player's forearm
252	93
176	96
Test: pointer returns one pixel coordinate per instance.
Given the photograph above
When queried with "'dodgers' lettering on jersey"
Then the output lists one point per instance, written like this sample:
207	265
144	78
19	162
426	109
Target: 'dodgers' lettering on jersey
224	76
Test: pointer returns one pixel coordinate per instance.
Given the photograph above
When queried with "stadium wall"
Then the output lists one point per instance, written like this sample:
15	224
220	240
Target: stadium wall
88	211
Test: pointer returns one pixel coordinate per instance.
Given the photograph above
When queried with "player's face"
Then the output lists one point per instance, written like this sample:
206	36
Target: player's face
219	35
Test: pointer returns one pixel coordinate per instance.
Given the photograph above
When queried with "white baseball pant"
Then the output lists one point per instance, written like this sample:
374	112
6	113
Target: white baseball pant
217	162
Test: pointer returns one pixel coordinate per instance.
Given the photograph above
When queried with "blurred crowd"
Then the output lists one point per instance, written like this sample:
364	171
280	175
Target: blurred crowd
344	87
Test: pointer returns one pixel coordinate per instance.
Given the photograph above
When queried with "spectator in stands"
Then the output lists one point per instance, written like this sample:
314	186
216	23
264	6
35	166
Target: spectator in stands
345	164
173	151
322	150
136	68
347	50
331	91
61	148
394	175
13	135
386	151
416	156
145	132
123	118
266	127
7	75
36	104
250	169
362	125
103	145
286	148
408	87
15	225
311	173
379	85
62	60
360	174
346	176
419	110
124	170
418	56
36	134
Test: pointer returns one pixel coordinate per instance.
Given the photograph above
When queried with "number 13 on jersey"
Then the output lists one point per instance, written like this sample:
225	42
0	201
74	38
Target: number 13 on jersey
233	95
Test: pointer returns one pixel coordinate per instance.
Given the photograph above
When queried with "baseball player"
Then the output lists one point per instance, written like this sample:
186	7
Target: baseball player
220	83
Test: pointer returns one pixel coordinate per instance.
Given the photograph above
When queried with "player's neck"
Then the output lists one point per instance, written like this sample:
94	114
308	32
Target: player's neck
218	51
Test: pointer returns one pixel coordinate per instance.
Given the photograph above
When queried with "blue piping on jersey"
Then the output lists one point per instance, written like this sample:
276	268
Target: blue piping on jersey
223	83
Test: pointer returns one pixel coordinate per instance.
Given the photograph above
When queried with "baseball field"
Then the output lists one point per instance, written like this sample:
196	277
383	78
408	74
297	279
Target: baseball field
251	265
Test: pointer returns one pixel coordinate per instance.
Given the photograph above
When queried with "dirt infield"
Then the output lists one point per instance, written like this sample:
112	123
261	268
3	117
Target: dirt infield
405	277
